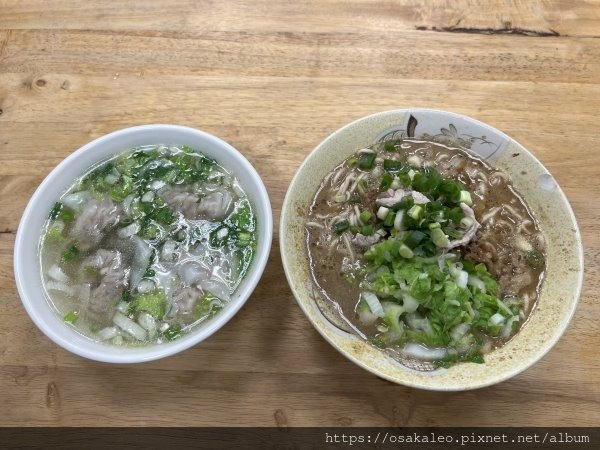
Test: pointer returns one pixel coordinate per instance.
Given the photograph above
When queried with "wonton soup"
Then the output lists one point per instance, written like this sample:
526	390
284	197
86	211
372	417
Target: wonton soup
147	245
426	251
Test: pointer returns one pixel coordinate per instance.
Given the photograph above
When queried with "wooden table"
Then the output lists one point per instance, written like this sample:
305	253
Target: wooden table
273	78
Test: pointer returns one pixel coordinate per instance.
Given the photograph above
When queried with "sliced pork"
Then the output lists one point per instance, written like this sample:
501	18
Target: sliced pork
213	206
97	218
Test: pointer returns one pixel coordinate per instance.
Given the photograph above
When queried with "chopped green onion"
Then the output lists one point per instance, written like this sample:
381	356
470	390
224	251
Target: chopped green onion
466	222
70	317
404	177
429	181
454	214
454	234
112	177
496	319
219	236
367	161
399	220
67	214
341	226
55	211
362	187
122	190
368	230
173	332
390	146
439	238
434	206
396	184
386	182
70	253
379	342
391	165
163	215
244	237
474	357
465	197
416	212
187	149
154	303
414	238
365	216
406	203
150	231
54	233
373	305
405	251
389	219
208	305
382	212
126	295
450	189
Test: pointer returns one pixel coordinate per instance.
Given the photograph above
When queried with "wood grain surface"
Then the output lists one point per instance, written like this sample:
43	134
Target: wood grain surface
274	78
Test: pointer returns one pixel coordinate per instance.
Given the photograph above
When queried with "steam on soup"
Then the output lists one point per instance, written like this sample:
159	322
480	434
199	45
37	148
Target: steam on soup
427	251
147	245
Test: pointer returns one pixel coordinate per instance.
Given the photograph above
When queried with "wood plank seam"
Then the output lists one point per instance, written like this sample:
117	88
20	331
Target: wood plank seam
489	31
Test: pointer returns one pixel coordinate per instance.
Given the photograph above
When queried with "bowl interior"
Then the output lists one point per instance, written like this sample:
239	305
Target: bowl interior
563	278
26	260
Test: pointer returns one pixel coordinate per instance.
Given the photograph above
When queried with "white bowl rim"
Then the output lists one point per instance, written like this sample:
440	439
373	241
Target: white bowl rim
106	352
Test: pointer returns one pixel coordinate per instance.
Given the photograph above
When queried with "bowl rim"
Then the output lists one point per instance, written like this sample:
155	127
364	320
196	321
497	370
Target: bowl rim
491	380
105	352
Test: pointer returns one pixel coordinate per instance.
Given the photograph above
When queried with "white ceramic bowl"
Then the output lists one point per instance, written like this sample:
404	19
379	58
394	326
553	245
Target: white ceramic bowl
564	273
26	257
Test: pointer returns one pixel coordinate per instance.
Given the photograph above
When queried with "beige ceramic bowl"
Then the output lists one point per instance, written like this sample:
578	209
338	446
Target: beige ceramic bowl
563	279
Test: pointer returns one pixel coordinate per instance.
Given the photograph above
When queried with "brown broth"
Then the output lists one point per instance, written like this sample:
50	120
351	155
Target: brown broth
509	232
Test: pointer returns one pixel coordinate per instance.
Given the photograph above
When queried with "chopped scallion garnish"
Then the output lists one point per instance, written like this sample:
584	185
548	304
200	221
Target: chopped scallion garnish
365	216
366	161
70	317
391	165
341	226
390	146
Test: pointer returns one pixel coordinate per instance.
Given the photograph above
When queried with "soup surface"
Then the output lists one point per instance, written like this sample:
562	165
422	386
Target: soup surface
425	250
147	245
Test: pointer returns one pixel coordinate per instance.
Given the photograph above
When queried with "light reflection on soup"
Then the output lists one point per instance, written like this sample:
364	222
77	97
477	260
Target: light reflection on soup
147	245
426	250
